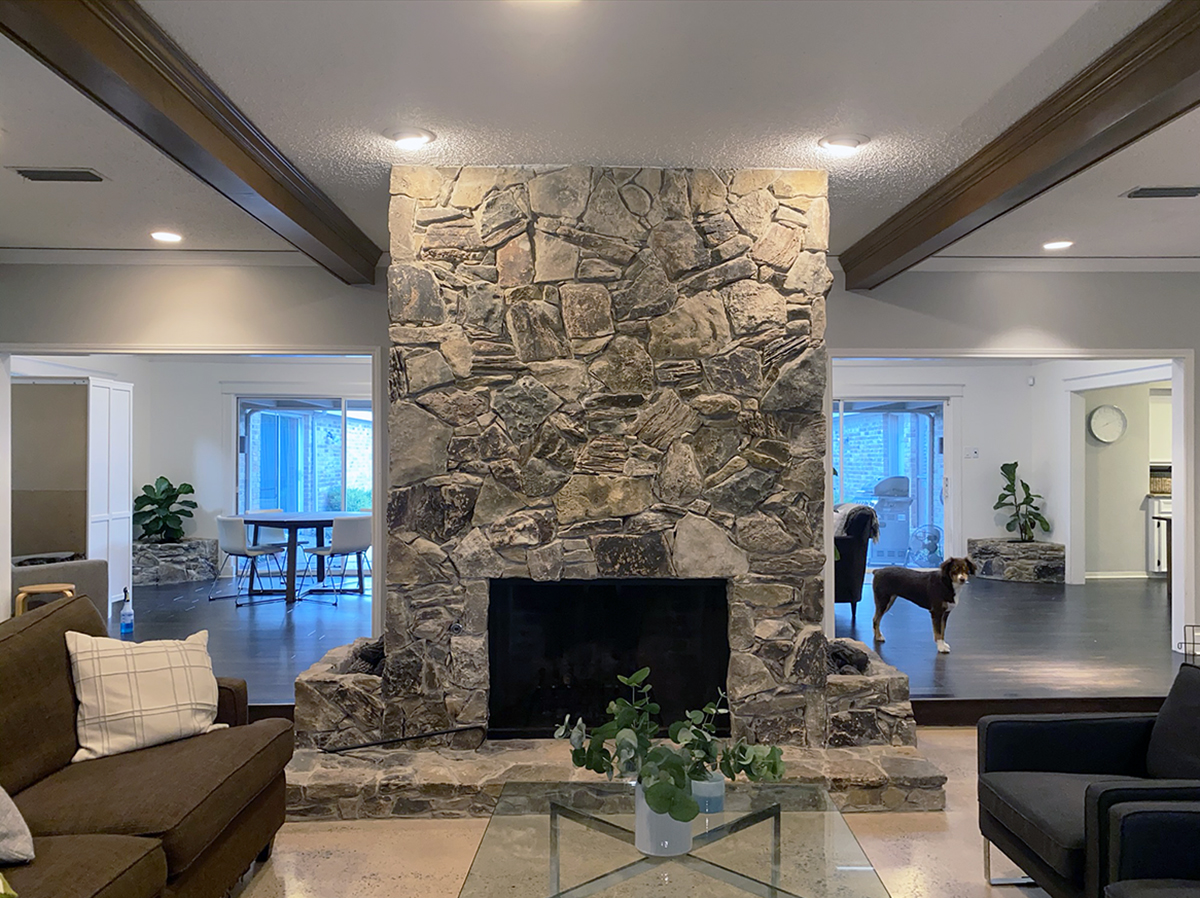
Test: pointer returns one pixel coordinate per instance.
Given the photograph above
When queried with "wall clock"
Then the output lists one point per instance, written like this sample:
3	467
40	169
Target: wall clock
1107	423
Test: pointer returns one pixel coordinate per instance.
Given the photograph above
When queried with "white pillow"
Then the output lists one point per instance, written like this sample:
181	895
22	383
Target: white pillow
16	844
134	695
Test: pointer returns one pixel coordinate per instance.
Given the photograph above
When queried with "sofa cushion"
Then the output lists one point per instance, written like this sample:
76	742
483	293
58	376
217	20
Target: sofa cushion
183	792
1153	888
1044	810
1174	751
95	866
37	700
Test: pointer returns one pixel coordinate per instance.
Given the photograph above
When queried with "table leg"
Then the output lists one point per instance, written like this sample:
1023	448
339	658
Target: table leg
555	888
320	558
292	549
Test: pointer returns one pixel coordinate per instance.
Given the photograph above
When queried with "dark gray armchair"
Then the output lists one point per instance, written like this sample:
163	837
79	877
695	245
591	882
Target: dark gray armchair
1154	850
1078	800
854	526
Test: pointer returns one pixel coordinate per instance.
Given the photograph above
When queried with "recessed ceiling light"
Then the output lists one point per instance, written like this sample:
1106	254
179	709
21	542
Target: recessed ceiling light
1058	244
166	237
844	144
410	138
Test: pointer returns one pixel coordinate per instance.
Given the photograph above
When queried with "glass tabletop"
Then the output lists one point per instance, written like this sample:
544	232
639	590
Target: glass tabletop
576	839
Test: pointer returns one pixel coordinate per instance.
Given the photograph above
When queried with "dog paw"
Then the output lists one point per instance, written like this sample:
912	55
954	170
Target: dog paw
943	647
879	637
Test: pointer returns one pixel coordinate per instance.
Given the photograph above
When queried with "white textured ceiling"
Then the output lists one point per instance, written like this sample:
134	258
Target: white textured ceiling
44	122
723	83
1091	208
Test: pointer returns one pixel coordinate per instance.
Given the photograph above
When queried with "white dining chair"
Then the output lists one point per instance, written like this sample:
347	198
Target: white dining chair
231	539
351	536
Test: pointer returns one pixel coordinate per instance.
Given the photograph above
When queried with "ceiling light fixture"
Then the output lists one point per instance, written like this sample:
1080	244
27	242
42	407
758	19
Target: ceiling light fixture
1058	244
844	144
166	237
410	138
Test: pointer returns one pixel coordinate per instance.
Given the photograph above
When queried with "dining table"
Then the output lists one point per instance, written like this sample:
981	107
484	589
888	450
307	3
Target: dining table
292	522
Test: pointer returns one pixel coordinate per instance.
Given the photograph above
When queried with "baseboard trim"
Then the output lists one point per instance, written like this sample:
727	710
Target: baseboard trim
1117	575
965	712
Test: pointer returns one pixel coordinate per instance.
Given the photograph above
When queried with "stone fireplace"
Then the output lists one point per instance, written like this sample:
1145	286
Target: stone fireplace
606	373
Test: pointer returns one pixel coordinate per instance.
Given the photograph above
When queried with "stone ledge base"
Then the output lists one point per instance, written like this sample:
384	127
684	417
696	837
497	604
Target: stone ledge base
1022	562
450	783
192	559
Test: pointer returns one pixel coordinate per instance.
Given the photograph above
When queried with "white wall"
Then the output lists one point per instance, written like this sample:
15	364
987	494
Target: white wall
1046	314
1117	479
183	426
5	488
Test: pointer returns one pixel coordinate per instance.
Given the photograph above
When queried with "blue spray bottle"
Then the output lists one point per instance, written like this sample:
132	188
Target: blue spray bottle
127	616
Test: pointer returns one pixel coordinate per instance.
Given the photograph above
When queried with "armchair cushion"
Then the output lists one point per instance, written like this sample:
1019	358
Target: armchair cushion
1174	750
1044	810
1154	840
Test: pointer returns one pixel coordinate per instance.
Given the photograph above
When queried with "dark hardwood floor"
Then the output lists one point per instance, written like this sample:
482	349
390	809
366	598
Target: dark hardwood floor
265	645
1008	640
1024	640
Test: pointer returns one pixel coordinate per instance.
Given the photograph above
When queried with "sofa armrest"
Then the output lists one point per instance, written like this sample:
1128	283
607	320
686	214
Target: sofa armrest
1098	803
1065	743
1154	840
233	707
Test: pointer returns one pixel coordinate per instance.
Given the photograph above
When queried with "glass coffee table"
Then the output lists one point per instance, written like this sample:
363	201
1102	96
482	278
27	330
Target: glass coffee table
571	840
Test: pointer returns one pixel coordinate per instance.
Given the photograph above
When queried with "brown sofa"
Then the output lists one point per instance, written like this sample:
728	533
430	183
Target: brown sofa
182	819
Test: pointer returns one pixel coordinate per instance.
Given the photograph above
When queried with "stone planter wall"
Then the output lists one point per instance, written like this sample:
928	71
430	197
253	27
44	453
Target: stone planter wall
602	372
191	559
1025	562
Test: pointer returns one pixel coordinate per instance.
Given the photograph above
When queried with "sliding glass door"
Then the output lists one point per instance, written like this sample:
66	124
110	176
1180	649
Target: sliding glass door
304	454
888	454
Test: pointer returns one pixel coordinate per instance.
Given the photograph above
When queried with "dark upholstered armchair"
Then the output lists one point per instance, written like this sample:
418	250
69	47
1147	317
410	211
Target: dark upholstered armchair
854	526
1083	801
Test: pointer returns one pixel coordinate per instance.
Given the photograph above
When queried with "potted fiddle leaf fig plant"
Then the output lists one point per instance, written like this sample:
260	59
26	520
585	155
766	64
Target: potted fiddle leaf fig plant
160	511
666	772
1026	515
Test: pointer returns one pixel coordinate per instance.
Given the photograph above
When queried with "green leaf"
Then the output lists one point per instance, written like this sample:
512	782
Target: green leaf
161	485
1011	526
660	796
185	488
683	807
639	677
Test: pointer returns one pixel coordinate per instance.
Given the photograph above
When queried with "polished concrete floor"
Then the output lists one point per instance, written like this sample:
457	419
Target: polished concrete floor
265	645
917	855
1031	640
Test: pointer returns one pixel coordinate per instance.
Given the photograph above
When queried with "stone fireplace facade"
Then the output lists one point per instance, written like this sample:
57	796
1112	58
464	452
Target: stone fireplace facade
606	372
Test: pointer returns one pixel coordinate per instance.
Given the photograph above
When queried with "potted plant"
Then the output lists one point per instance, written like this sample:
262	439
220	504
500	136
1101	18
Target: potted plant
1026	513
666	773
160	512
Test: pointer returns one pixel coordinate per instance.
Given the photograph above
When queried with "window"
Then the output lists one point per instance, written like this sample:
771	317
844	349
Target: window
304	454
888	454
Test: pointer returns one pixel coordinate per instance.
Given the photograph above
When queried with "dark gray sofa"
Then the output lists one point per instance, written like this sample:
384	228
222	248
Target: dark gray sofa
184	819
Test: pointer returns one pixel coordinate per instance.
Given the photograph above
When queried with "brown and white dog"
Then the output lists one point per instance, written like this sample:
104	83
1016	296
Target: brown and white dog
934	590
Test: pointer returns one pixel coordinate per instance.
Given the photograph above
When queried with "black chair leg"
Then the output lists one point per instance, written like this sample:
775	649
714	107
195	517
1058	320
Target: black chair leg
265	854
854	614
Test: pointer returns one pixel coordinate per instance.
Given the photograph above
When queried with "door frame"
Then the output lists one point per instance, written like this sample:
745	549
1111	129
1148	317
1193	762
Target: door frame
951	398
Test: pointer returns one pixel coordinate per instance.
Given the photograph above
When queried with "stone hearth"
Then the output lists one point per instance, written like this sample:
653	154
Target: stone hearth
603	372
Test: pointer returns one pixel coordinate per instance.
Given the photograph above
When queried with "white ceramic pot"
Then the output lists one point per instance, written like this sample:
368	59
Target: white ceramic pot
659	835
710	793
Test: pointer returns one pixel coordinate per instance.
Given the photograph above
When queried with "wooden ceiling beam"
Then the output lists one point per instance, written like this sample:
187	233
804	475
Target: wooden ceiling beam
118	56
1143	82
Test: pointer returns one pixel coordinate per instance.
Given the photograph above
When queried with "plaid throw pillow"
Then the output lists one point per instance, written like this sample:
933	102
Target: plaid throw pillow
134	695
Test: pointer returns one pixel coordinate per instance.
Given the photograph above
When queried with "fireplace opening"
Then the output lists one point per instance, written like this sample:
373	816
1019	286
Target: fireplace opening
557	647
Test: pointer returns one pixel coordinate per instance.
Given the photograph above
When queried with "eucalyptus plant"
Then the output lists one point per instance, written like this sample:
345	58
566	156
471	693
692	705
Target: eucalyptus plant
1026	514
626	745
